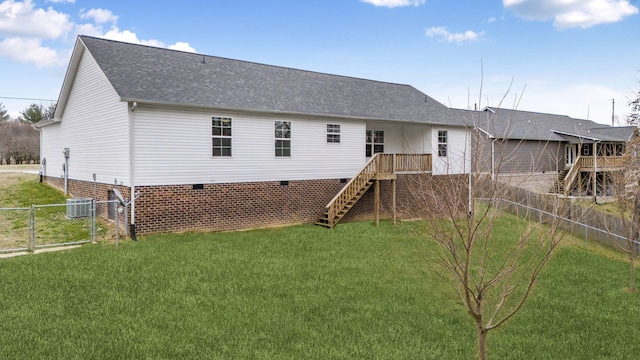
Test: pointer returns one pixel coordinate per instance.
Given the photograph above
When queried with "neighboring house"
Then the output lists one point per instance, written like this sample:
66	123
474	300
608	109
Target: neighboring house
217	144
582	153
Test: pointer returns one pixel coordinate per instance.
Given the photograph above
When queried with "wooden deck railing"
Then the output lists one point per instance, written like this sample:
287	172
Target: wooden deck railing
403	163
408	163
585	163
602	162
379	164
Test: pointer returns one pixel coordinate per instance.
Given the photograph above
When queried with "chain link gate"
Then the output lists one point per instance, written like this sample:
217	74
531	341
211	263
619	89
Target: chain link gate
79	221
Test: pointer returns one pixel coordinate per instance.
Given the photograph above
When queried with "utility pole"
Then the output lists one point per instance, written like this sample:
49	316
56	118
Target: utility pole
613	111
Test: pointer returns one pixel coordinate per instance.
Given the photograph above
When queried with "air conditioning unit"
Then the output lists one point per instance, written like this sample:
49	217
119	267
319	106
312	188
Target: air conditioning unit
78	208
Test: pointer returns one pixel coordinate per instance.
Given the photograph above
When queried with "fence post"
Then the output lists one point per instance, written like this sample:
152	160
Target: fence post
117	223
93	221
31	242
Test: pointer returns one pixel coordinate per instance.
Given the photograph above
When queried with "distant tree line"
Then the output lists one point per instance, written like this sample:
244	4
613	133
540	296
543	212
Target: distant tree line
19	141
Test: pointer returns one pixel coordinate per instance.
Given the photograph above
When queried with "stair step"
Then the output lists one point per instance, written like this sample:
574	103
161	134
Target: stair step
324	219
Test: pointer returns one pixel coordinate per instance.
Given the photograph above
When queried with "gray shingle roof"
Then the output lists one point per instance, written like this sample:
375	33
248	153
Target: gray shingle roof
157	75
526	125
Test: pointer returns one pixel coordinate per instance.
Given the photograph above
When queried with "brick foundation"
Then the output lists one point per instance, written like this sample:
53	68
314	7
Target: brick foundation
235	206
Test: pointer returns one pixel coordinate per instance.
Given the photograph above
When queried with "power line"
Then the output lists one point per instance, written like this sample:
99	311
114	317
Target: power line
19	98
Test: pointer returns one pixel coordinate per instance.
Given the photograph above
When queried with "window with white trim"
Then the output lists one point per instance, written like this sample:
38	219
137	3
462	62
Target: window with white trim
333	133
375	142
221	136
443	139
283	138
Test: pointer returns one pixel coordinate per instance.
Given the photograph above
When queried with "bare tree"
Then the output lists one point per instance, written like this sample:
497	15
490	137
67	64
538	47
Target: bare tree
20	142
492	271
634	115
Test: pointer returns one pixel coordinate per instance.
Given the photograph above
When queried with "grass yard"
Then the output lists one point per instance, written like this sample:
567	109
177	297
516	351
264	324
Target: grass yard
301	292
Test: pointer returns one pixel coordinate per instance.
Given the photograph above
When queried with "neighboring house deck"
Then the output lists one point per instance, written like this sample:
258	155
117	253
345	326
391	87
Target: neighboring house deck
584	154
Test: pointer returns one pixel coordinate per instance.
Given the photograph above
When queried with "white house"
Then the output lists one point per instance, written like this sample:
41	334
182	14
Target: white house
216	144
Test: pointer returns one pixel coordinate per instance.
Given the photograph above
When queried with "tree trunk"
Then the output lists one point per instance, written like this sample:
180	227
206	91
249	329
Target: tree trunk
632	246
482	343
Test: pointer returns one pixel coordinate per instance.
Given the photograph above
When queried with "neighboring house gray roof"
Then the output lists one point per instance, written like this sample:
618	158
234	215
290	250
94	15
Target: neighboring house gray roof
526	125
156	75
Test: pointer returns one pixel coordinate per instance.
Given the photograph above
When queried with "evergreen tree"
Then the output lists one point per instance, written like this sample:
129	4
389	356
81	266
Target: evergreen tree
4	115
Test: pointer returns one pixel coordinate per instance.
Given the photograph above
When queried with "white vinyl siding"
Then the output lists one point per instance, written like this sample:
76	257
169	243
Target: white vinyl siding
94	126
393	136
457	160
173	146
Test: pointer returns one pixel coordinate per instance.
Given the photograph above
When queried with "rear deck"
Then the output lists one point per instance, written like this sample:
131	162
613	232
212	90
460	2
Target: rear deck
379	167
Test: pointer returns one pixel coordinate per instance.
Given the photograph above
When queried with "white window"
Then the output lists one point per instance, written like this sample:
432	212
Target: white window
443	138
283	138
333	133
375	142
221	136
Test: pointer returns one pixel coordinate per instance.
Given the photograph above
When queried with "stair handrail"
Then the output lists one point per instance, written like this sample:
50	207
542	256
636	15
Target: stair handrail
365	174
572	174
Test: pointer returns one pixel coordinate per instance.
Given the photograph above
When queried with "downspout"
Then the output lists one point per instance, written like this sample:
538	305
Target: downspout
493	159
65	152
468	151
132	181
595	171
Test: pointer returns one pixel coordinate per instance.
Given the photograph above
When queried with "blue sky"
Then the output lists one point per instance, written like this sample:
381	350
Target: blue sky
567	57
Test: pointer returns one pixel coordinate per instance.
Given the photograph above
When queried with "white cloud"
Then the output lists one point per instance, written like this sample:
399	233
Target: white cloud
31	51
491	20
100	16
88	29
444	34
572	13
131	37
22	19
394	3
24	28
182	46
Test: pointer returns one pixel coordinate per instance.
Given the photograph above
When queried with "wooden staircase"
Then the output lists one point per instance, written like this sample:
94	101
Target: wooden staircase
325	218
558	184
567	178
340	205
379	167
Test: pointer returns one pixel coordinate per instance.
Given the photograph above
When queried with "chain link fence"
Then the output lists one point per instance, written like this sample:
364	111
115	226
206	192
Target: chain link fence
593	225
78	221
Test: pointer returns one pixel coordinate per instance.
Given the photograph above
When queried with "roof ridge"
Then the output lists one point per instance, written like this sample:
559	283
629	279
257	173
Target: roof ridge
247	61
531	112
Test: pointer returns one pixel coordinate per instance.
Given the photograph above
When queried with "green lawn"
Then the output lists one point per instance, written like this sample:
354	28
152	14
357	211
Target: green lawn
301	292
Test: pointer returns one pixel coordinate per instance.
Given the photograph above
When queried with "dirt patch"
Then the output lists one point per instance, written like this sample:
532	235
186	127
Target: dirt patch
10	255
20	167
11	178
539	182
